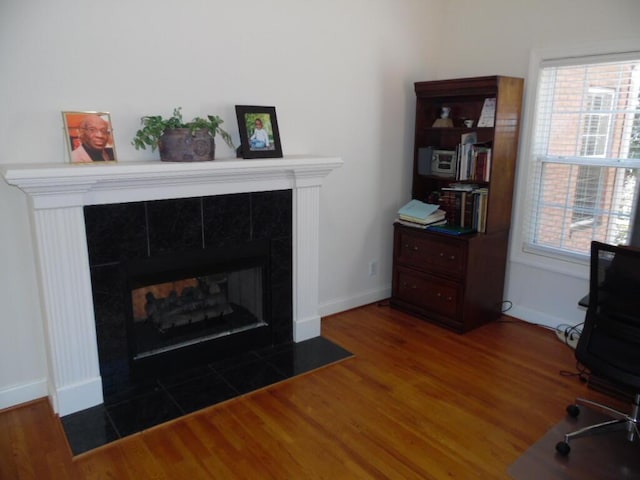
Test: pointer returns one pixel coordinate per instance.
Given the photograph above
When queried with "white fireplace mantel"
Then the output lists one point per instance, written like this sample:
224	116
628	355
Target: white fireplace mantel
57	194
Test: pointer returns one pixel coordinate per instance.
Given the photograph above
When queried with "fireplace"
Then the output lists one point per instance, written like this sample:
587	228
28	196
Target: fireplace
188	281
57	195
203	304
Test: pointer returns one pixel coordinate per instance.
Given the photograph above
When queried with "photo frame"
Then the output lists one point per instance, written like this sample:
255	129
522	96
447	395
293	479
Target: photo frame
89	137
259	134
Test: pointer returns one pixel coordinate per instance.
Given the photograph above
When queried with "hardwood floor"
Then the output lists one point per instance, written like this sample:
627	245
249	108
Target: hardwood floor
415	402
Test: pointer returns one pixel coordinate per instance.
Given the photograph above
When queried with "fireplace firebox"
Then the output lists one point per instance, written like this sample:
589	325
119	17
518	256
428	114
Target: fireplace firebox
197	306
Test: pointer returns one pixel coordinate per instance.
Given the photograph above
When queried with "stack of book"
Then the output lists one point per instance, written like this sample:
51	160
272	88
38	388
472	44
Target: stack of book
466	205
419	214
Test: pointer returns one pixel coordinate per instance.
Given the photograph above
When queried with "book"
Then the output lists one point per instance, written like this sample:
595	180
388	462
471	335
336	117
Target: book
417	209
451	229
482	164
434	217
467	140
419	225
481	209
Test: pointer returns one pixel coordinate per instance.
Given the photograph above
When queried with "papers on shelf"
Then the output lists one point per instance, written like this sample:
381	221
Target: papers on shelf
488	114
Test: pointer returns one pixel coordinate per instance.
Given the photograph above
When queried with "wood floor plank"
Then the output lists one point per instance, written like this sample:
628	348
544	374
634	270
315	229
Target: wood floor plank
415	402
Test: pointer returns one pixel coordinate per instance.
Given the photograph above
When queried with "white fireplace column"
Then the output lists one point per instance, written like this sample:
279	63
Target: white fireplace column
66	299
58	193
306	213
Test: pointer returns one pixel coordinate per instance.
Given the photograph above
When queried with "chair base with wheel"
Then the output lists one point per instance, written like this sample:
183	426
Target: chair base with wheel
620	421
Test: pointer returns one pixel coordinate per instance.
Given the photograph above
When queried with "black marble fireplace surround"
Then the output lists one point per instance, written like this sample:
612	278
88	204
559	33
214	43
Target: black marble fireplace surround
126	233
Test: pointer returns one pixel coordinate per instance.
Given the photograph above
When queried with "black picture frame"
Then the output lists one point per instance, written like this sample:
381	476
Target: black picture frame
267	145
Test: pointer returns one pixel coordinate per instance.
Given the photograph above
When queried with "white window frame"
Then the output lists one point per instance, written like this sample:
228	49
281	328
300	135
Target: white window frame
549	260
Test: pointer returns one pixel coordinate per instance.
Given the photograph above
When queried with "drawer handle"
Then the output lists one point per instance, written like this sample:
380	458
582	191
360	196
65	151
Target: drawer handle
409	247
449	298
452	257
405	285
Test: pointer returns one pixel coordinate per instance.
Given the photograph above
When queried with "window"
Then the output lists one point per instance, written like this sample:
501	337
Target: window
585	155
593	143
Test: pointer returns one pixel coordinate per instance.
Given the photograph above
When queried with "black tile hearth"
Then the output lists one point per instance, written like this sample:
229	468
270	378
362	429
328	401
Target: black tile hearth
89	429
142	412
132	406
202	392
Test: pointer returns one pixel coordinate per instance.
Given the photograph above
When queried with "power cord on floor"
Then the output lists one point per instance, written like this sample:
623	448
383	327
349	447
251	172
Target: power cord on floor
569	334
506	306
581	372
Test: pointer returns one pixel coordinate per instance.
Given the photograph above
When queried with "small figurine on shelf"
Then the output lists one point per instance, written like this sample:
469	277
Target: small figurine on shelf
444	120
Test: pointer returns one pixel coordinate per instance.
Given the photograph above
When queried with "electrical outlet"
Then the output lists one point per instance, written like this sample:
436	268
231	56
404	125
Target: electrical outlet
373	268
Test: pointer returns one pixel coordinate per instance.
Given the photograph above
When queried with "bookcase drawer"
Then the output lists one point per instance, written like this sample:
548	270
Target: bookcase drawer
428	252
427	292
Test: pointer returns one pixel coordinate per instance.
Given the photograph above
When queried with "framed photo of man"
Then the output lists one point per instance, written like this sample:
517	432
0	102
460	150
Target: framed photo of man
89	137
259	134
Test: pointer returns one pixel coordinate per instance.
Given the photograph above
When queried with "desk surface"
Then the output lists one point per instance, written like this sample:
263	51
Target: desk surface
584	301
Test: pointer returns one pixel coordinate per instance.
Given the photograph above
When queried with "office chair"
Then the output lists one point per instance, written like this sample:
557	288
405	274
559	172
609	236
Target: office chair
609	345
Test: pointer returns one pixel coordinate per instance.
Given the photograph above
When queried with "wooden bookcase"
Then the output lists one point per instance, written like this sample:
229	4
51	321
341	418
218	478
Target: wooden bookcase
457	281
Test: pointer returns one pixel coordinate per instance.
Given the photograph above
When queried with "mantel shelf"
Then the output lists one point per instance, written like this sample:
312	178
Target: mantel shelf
58	185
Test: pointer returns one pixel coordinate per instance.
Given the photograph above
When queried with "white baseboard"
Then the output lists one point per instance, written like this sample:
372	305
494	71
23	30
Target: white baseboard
306	328
338	305
79	396
17	394
533	316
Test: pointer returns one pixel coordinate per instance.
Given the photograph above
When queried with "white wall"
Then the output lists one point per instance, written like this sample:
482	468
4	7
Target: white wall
498	37
340	74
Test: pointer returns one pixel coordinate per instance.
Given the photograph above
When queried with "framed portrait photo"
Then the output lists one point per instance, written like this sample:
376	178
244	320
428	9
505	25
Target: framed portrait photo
89	137
259	134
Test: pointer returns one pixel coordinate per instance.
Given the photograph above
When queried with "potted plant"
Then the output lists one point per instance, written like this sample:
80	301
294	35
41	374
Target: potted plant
180	141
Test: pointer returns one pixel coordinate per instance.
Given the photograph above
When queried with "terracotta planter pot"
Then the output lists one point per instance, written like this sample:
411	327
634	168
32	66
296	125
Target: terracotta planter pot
179	145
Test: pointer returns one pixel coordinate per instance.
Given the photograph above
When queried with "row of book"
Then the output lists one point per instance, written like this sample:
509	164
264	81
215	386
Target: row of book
466	206
461	208
473	159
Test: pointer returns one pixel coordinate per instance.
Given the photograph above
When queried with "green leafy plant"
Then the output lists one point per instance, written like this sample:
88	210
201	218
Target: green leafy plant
153	126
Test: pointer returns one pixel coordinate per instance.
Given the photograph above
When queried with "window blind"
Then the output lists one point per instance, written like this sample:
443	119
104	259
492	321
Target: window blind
585	154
